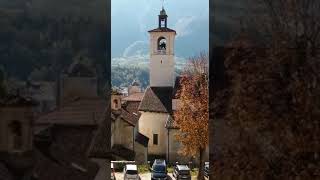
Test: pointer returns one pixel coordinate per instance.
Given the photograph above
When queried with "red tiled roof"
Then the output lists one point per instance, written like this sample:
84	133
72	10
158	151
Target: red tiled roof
87	111
129	117
132	107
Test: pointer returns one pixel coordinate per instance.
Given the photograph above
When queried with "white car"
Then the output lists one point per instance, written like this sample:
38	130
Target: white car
113	176
130	171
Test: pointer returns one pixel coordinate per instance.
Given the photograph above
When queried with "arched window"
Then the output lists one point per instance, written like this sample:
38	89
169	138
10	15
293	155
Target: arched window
16	132
116	103
162	43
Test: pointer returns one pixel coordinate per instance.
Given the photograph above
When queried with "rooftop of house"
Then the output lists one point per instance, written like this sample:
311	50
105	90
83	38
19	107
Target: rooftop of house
157	99
125	115
134	97
142	139
81	111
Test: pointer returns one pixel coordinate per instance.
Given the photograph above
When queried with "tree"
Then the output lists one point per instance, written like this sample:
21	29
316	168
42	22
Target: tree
272	101
192	116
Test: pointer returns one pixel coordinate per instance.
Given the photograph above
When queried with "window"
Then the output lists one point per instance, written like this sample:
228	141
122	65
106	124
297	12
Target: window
116	104
155	139
162	43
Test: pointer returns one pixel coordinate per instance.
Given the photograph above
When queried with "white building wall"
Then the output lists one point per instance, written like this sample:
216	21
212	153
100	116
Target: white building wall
162	71
154	123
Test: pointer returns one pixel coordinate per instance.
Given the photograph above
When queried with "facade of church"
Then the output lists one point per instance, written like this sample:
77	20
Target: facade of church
159	100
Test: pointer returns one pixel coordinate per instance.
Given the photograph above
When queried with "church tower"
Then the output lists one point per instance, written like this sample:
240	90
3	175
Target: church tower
162	53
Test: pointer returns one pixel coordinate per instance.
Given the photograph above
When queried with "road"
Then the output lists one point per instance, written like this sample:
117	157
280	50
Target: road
147	176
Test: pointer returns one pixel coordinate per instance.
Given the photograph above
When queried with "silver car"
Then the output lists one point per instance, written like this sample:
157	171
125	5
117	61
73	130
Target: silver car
182	172
130	172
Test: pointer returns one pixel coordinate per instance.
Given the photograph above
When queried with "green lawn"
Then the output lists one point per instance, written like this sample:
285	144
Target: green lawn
143	169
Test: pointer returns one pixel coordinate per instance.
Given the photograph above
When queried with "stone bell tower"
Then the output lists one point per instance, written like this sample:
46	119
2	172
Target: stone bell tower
162	53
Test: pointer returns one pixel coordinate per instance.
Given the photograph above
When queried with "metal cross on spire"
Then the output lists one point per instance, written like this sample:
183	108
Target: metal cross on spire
162	3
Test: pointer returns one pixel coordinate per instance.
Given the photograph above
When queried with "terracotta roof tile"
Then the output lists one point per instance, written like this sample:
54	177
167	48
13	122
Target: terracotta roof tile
126	116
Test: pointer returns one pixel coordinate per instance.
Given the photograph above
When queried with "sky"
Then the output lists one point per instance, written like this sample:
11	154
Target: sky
131	20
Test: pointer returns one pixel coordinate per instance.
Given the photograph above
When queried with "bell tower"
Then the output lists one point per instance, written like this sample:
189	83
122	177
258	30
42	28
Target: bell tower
162	53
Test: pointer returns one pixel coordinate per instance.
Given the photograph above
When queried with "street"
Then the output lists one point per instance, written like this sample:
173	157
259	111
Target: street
146	176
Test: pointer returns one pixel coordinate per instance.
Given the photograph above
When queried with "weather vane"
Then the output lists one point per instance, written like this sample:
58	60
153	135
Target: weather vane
162	3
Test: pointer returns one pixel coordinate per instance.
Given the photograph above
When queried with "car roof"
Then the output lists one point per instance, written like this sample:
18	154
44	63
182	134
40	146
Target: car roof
159	162
131	167
183	167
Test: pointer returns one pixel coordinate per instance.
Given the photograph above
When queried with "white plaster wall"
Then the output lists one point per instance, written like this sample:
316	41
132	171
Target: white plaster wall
123	134
141	153
162	70
154	123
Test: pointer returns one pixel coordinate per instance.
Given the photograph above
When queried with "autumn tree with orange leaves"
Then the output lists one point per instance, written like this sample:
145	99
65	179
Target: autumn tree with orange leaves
192	116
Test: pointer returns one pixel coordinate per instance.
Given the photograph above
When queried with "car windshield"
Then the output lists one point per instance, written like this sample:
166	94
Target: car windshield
132	172
159	168
184	172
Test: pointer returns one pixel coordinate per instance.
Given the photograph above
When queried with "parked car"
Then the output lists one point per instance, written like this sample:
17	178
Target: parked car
159	170
182	172
130	172
113	176
206	169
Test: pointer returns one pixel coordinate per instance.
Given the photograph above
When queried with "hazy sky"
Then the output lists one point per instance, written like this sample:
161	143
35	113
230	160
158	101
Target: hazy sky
132	19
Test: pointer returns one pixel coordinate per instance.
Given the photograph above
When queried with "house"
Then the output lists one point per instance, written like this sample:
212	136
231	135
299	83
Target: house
126	142
21	157
71	135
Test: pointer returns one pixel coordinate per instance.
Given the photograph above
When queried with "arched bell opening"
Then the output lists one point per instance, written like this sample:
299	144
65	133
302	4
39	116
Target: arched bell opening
162	44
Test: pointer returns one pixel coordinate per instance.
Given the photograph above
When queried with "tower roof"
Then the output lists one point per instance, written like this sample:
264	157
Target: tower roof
163	12
162	29
135	83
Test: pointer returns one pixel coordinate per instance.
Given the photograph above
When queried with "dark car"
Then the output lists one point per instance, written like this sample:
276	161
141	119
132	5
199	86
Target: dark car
206	170
182	172
159	170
